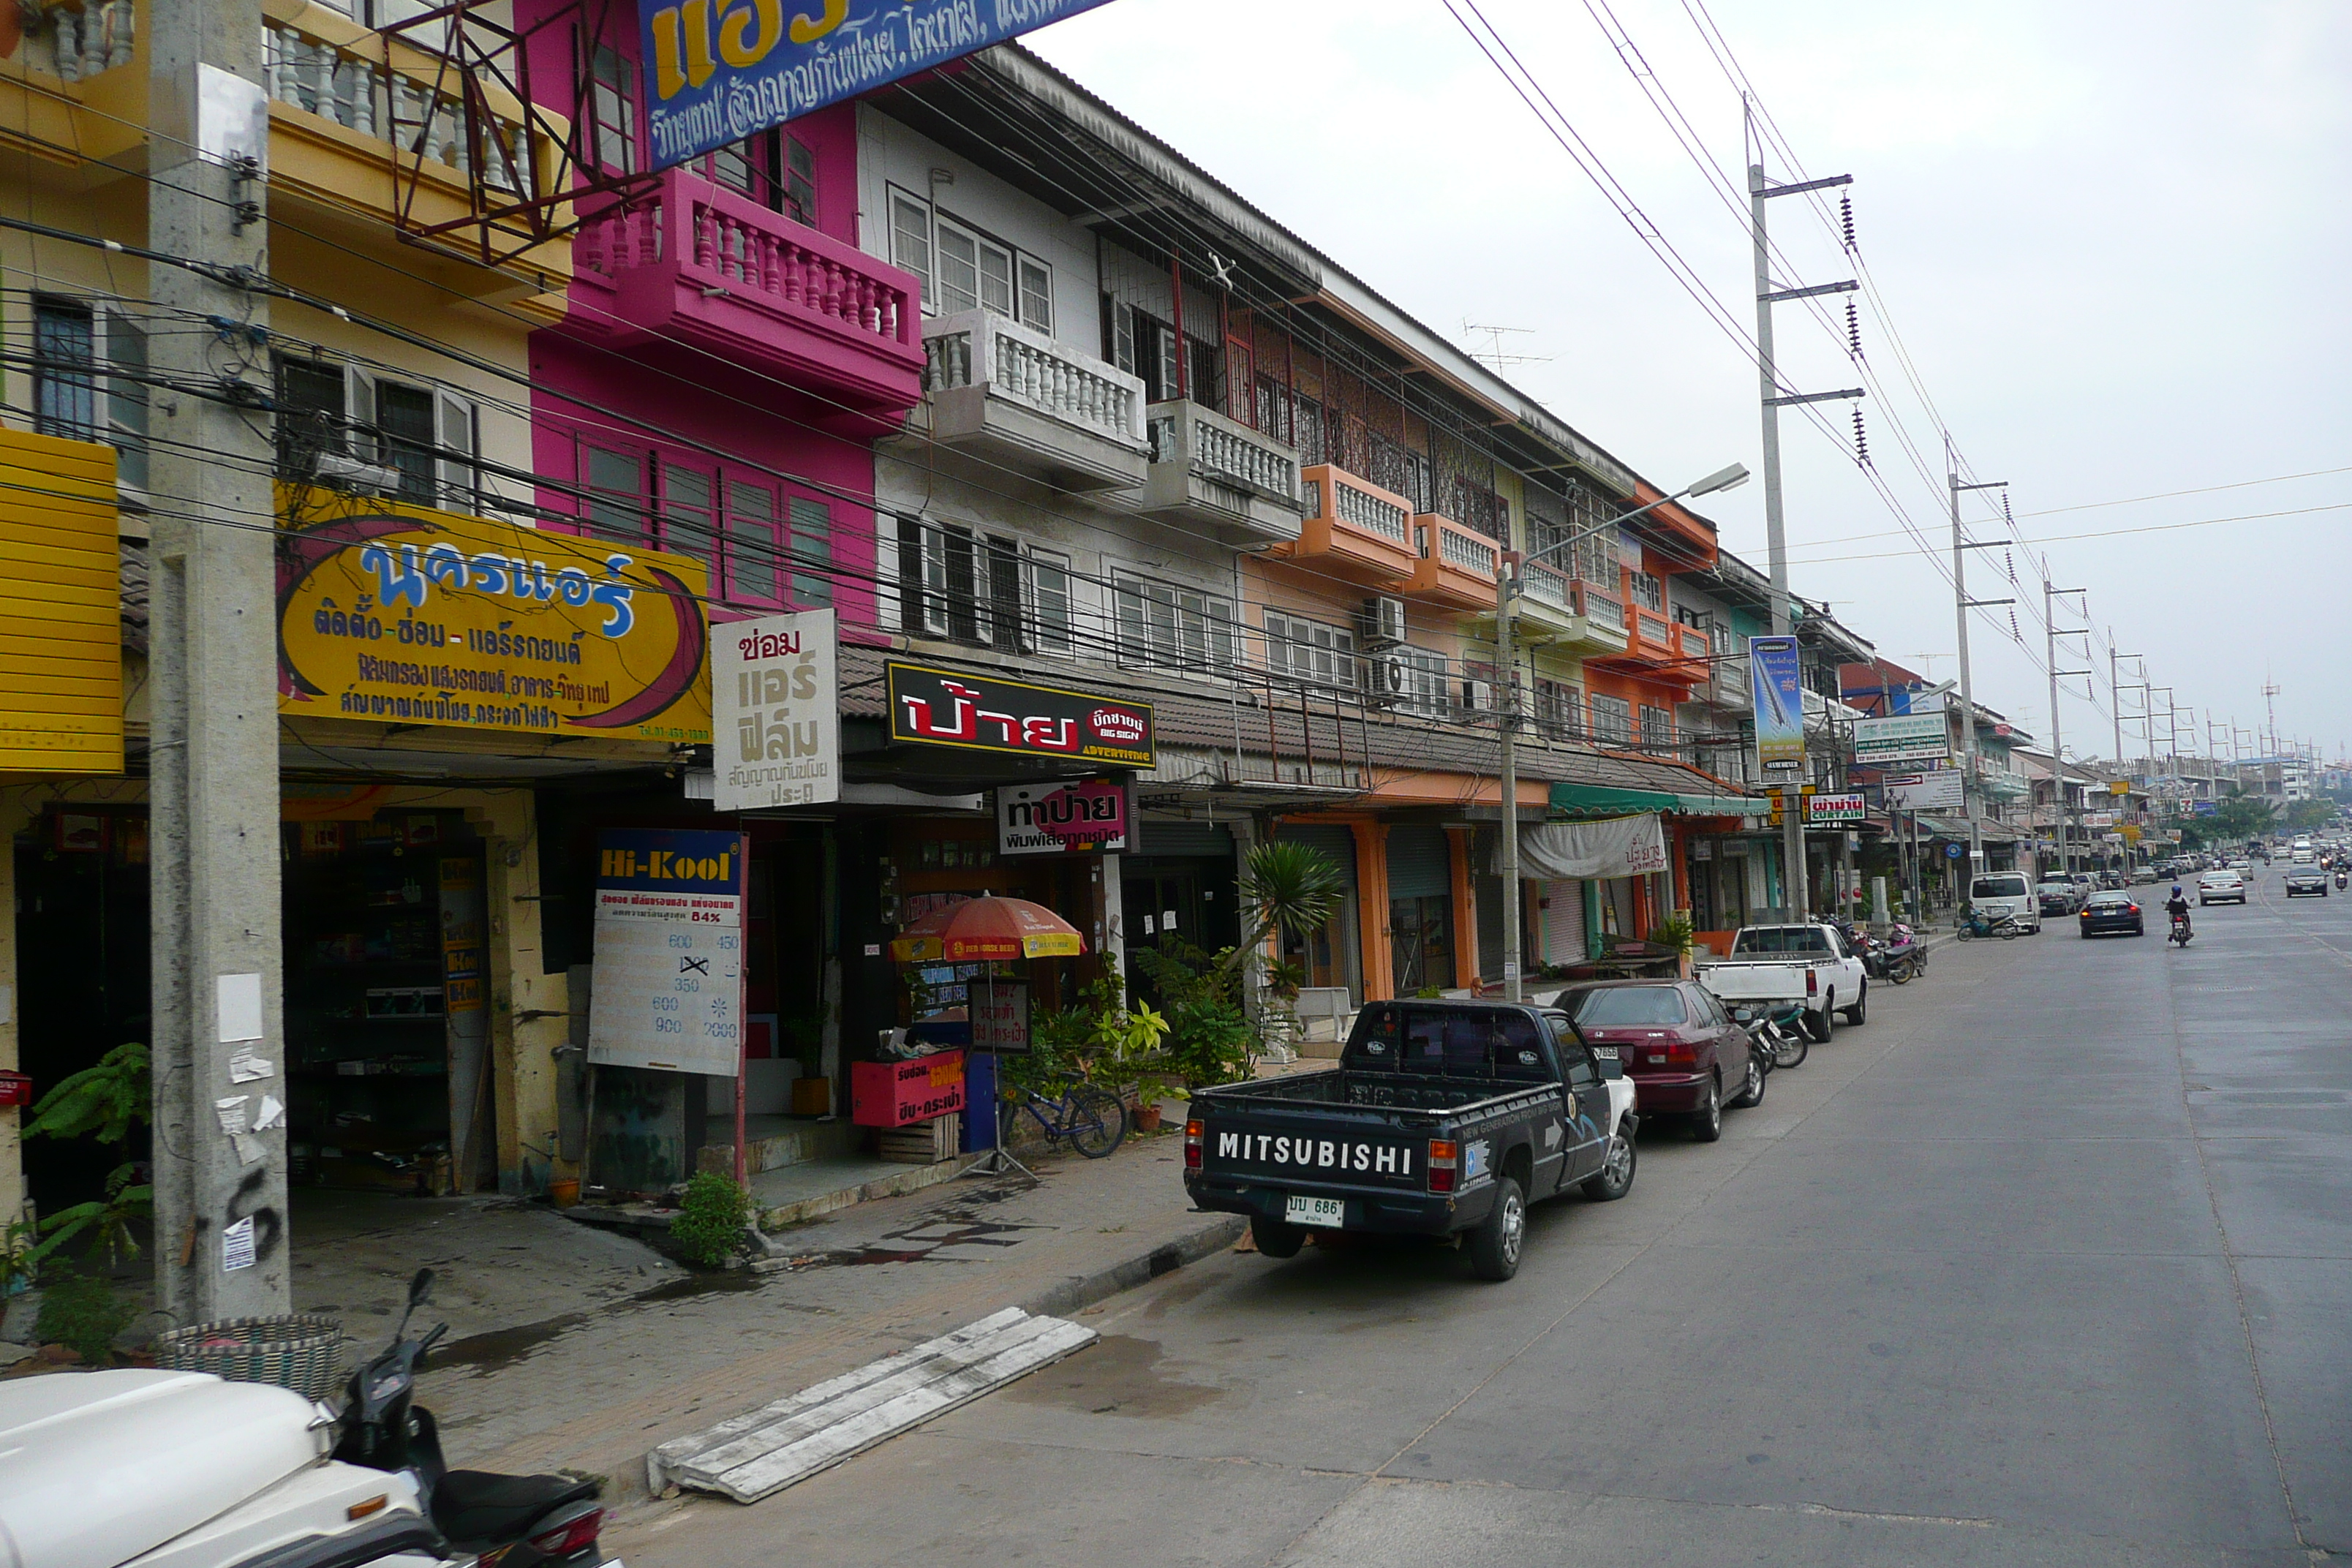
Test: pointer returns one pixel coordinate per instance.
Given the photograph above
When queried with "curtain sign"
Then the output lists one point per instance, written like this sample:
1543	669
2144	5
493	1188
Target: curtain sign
949	707
1780	703
1084	818
717	70
1828	808
775	711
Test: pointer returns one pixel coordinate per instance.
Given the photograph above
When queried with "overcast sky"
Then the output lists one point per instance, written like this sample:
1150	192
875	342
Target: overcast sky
2115	240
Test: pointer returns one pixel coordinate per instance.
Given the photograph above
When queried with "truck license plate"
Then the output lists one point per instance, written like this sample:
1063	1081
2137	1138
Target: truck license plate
1322	1212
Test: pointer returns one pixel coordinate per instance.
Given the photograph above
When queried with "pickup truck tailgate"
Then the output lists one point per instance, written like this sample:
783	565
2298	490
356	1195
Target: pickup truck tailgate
1268	1144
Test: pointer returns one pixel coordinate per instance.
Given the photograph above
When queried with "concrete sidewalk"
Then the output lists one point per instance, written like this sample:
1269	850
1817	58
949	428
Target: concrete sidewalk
595	1386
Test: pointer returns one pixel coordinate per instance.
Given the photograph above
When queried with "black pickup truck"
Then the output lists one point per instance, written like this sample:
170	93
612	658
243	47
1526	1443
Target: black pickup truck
1444	1119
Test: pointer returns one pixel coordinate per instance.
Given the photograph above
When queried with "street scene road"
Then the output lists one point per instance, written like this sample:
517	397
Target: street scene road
2048	1264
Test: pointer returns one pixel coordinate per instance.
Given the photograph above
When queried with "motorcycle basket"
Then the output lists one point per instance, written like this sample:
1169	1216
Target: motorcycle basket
301	1351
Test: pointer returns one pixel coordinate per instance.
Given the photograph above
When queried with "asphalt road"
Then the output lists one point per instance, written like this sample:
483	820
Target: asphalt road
2049	1263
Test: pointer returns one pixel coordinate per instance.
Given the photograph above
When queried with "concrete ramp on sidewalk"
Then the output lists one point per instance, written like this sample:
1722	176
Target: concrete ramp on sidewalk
755	1455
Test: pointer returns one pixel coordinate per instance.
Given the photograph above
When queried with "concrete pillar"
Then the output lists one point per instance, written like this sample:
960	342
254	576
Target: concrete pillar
16	812
1372	937
529	1008
1459	844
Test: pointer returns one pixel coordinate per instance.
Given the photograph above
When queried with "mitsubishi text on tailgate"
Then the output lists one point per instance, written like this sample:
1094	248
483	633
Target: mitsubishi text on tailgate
1442	1118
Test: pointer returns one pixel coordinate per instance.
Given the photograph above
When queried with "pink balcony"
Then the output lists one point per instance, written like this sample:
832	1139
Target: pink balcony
700	278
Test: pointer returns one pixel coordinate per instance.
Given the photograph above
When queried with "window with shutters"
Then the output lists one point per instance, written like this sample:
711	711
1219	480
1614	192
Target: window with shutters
1646	590
964	268
990	590
1560	709
340	423
1309	652
1657	726
766	547
612	109
1163	625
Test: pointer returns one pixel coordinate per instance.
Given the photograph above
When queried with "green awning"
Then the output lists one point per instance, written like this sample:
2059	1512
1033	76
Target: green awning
1604	800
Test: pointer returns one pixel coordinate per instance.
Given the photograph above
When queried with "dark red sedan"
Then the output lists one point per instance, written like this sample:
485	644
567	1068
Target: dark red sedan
1678	1045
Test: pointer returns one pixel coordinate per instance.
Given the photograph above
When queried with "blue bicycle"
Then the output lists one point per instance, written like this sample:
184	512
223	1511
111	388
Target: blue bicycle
1093	1121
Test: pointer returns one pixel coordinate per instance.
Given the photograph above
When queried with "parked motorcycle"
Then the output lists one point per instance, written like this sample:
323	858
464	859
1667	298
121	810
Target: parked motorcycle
506	1521
1781	1034
1973	925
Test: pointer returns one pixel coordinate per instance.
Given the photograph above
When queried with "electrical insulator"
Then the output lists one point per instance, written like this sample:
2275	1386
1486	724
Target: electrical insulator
1861	441
2012	628
1853	328
1845	212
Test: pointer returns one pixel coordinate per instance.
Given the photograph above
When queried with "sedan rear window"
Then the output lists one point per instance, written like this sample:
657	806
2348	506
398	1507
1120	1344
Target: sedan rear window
1620	1005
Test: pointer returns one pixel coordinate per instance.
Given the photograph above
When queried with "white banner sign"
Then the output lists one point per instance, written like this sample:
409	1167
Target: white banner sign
1907	738
1938	790
1622	846
2098	819
775	711
668	981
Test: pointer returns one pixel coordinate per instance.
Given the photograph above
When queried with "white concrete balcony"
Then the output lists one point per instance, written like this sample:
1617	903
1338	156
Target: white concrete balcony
1012	396
1209	470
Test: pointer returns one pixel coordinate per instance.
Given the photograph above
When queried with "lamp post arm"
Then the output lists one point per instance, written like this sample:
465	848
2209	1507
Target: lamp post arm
1584	533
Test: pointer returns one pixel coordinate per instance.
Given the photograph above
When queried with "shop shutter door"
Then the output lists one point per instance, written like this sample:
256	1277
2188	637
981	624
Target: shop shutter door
1337	844
1167	836
1419	867
1563	919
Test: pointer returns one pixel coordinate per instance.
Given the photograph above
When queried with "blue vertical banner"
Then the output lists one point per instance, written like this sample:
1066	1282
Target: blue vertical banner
1779	699
717	70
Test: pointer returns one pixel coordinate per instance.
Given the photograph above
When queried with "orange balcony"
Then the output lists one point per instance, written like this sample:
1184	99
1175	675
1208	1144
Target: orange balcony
1356	530
1452	565
1659	649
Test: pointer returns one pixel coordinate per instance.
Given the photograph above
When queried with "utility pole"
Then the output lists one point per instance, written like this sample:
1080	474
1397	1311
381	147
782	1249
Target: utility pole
2116	691
1961	545
2057	750
1792	794
221	1242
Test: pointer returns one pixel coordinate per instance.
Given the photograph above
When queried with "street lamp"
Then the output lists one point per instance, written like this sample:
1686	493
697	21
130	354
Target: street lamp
1506	591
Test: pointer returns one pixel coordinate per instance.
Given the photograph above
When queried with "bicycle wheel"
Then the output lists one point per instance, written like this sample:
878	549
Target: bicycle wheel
1096	1122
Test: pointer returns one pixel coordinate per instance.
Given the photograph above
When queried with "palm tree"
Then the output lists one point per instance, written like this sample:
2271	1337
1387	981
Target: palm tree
1287	888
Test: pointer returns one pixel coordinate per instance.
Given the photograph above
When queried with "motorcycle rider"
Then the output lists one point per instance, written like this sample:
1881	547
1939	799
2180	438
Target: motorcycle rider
2177	907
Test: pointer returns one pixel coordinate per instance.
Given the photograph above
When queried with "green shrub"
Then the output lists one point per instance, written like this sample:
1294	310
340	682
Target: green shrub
710	1223
83	1313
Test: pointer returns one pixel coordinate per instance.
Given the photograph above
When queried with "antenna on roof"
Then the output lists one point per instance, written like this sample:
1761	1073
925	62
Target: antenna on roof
1493	356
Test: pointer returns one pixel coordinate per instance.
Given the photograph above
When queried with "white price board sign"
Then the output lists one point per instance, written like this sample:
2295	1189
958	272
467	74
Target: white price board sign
669	977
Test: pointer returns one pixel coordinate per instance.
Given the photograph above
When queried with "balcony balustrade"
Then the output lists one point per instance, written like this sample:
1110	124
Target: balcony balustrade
1353	529
698	271
1209	470
1454	566
1018	399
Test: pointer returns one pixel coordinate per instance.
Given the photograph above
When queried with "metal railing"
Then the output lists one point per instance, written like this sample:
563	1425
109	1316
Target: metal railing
982	348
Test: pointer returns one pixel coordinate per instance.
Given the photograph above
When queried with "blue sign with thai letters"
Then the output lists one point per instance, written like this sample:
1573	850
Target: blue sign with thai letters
717	70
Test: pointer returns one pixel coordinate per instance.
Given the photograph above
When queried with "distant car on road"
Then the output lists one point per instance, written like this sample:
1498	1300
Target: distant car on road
2110	913
2220	887
2057	898
2306	879
1998	893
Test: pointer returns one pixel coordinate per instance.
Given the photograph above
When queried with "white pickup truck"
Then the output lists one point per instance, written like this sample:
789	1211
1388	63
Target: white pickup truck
1783	963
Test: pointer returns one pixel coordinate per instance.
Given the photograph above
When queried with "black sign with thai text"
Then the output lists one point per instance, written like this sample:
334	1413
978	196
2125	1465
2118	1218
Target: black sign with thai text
951	708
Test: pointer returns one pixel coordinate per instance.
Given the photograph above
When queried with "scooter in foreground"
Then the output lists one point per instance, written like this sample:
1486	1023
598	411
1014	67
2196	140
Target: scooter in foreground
2179	931
505	1521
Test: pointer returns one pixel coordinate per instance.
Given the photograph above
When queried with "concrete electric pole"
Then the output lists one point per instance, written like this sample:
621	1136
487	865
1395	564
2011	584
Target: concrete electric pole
1759	191
1970	794
218	1044
2057	752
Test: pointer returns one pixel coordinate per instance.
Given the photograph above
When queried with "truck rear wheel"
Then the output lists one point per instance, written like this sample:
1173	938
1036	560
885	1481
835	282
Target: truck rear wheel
1276	1239
1823	1024
1495	1245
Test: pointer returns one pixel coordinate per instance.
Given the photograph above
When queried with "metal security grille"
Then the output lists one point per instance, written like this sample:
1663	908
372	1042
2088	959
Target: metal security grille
1418	864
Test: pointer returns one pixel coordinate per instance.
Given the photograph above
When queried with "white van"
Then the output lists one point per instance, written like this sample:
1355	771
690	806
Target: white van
1998	893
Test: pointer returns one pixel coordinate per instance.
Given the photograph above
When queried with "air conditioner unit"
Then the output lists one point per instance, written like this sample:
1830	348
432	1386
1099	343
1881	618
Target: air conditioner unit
340	468
1381	620
1478	696
1384	675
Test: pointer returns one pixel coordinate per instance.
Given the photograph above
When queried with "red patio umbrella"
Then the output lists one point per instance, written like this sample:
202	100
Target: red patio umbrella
988	927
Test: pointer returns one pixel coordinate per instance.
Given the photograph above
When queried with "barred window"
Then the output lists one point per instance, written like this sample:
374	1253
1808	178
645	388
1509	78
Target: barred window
1177	628
1310	652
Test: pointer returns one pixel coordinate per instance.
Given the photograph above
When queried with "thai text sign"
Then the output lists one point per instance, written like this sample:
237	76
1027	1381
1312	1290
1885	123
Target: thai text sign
1820	808
60	589
947	708
1778	697
1907	738
717	70
415	617
1082	818
899	1094
667	982
775	710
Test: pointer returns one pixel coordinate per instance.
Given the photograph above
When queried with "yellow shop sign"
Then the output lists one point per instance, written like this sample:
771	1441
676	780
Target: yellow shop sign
402	614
